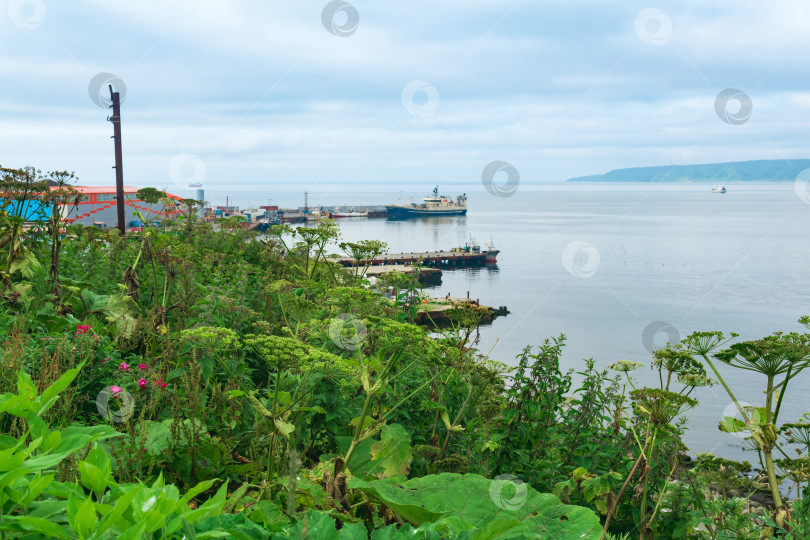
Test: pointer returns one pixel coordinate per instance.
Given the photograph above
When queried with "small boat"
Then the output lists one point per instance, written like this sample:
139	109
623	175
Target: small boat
317	215
338	213
197	185
719	189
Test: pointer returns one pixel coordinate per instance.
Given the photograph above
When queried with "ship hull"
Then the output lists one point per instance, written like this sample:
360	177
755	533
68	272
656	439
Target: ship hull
407	212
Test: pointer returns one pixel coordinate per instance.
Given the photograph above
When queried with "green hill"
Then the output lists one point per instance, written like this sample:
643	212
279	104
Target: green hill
763	170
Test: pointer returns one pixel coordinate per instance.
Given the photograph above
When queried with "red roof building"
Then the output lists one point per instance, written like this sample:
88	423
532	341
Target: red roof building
99	207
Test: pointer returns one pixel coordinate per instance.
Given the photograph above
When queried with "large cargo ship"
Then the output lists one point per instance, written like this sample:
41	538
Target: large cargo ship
434	205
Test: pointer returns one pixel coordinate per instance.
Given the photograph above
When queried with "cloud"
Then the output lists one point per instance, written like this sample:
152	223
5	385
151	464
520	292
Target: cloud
263	93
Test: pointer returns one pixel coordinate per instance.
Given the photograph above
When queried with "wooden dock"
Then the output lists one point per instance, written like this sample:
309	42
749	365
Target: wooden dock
427	276
406	269
454	258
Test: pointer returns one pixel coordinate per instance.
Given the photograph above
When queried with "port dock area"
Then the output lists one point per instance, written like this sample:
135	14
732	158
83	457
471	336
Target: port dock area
427	276
437	311
454	258
299	215
424	272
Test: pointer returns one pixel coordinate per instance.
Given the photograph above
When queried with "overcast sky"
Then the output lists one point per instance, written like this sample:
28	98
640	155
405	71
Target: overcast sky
398	95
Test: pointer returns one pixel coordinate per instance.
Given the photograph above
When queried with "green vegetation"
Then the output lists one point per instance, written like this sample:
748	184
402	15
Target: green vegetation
198	381
763	170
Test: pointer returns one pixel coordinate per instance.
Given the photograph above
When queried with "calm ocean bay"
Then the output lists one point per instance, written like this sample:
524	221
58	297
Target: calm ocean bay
601	263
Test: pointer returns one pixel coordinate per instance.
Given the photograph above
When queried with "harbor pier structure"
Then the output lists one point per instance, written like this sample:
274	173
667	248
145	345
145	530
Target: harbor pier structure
455	258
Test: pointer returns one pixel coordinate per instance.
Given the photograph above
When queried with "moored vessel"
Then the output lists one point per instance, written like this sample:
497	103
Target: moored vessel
434	205
338	213
317	215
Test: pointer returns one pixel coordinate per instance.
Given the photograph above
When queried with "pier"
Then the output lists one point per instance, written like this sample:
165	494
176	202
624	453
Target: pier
425	273
454	258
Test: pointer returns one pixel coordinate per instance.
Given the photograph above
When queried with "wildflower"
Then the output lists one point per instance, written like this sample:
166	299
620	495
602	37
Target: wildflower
82	329
661	405
123	367
104	361
625	365
160	383
116	390
143	367
142	383
694	379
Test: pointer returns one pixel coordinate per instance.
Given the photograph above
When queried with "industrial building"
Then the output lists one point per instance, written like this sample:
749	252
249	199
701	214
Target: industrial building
98	207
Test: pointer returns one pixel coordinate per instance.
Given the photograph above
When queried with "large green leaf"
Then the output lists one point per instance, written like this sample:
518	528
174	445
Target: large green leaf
93	302
230	526
360	463
27	264
401	532
94	471
390	456
393	451
317	524
121	310
31	524
73	438
115	517
472	502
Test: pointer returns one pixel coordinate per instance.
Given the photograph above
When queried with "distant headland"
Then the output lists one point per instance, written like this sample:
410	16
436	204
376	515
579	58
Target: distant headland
763	170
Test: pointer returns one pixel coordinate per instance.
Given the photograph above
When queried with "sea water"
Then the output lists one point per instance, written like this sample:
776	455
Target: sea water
623	268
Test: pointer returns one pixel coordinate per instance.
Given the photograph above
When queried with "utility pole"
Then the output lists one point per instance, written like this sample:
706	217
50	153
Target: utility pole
119	167
306	202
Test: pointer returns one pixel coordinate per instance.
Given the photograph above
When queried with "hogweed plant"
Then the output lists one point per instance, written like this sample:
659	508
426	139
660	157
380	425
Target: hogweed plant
657	409
779	358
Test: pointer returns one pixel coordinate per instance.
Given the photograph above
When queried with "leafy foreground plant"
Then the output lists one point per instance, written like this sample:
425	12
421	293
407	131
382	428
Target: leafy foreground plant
262	362
779	358
89	504
455	504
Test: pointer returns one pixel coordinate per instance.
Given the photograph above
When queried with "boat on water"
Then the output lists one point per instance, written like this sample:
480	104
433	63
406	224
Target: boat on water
317	215
264	225
338	213
719	189
434	205
473	248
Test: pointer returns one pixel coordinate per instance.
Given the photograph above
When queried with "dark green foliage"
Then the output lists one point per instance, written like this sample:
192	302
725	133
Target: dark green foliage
251	388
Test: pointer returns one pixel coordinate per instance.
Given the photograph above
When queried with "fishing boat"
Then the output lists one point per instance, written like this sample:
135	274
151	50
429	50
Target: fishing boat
434	205
338	213
719	189
317	215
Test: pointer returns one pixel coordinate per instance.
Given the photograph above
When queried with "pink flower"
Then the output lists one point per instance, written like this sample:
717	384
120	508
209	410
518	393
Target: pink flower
104	361
82	329
123	367
143	367
116	390
160	383
142	383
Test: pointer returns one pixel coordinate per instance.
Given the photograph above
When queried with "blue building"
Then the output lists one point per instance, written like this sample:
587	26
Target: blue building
30	211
